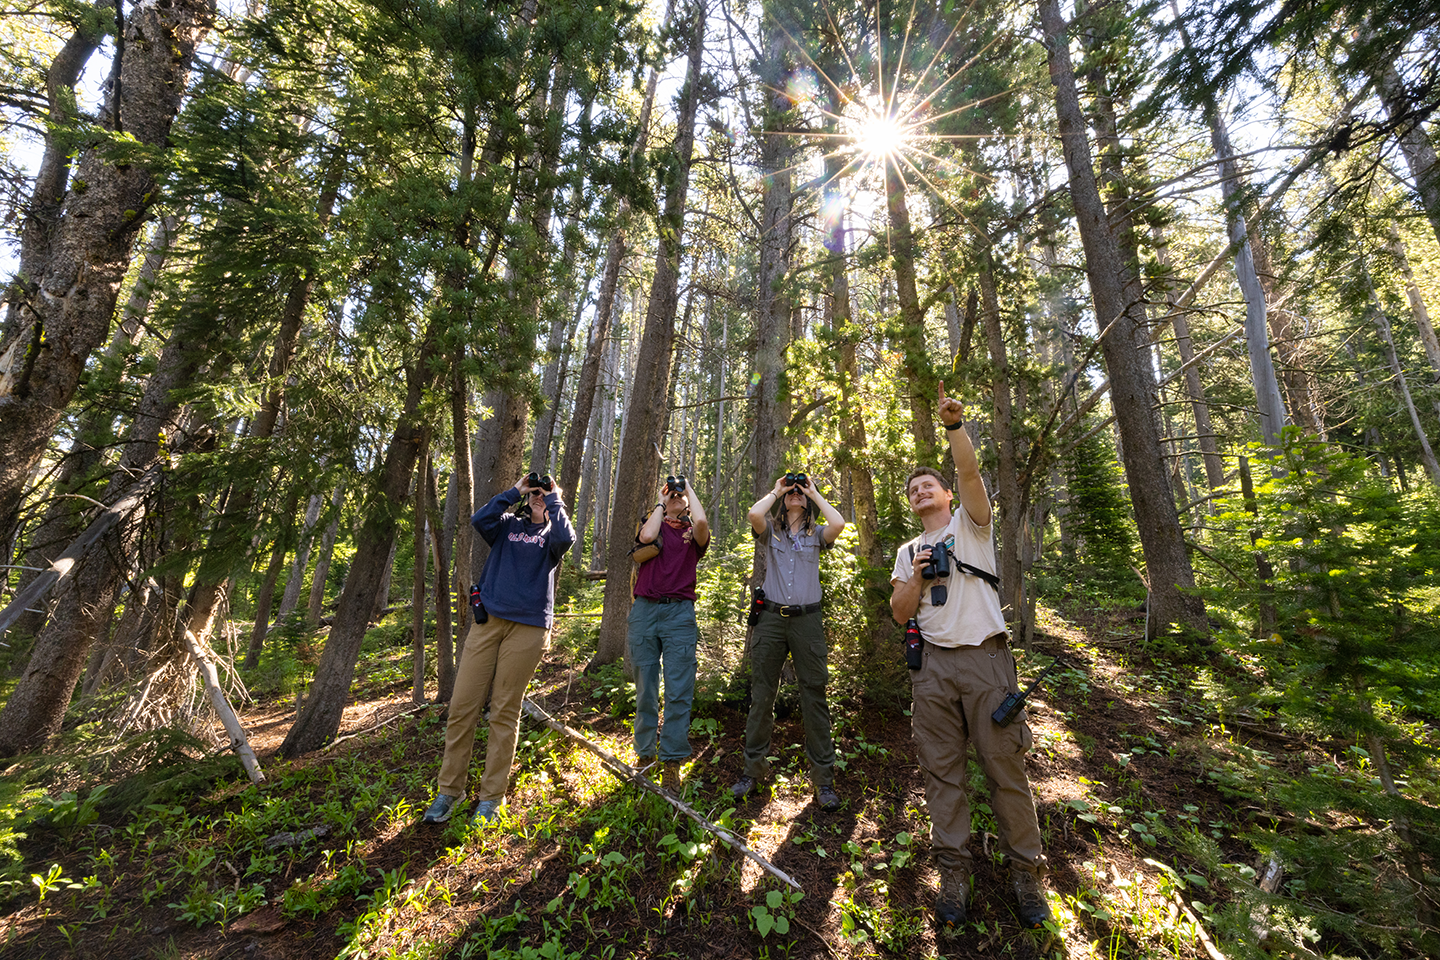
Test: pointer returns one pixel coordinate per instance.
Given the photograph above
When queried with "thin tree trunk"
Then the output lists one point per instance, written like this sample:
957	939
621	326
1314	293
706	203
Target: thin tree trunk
444	638
417	592
917	377
605	301
261	626
322	563
1009	497
638	457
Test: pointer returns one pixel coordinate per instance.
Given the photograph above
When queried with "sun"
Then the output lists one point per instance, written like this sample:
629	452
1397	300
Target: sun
879	135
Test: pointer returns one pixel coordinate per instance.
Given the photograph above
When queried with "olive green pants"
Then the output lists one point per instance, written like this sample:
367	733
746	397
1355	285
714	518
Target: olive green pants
803	638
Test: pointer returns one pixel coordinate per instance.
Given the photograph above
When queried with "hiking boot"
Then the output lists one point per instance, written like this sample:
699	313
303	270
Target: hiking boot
440	809
950	901
741	788
485	812
1030	895
670	778
826	796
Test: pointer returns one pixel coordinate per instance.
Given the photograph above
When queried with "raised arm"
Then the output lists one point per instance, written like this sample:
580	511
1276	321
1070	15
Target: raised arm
697	516
650	529
969	487
757	511
834	522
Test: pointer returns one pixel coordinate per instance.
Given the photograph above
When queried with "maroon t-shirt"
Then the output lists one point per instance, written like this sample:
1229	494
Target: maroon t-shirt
672	573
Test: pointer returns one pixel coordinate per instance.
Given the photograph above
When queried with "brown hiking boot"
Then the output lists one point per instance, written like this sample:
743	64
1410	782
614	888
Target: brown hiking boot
950	901
670	778
1030	895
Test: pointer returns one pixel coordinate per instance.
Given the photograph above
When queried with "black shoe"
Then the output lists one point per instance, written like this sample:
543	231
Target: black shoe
950	901
741	788
1030	895
826	796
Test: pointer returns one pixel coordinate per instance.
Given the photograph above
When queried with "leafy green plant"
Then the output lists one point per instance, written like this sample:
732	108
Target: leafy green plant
775	914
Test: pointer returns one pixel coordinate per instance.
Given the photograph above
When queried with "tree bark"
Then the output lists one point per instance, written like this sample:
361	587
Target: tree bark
1131	387
67	301
639	457
1010	498
919	379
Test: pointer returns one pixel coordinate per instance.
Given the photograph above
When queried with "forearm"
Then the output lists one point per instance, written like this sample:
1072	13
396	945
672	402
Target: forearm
834	522
969	485
906	598
698	519
650	529
756	513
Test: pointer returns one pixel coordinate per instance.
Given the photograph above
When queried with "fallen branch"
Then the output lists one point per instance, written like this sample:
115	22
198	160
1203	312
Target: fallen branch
624	771
1205	940
205	663
358	733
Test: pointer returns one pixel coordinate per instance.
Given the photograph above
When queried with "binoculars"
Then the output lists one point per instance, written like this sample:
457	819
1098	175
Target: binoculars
938	566
546	483
674	484
797	479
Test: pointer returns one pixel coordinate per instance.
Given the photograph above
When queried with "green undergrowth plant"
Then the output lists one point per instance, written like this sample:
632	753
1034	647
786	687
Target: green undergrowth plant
1338	576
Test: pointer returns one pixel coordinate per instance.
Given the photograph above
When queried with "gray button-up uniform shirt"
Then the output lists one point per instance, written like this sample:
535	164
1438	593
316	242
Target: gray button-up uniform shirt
792	565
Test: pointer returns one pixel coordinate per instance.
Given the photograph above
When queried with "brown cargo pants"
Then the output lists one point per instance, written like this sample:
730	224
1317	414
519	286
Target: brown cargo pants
955	692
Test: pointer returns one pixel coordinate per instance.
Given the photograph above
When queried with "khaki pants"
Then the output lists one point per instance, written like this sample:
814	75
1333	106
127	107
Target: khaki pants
956	690
499	660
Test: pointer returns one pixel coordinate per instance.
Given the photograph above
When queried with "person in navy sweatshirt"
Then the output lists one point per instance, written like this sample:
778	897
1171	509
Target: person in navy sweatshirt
502	650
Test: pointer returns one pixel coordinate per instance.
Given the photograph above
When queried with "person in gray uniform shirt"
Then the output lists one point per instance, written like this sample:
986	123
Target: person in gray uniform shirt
790	624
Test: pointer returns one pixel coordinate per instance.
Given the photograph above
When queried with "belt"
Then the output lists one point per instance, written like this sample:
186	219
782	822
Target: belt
794	610
664	599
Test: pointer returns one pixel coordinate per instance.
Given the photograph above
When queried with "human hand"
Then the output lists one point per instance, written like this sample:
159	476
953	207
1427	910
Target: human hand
949	410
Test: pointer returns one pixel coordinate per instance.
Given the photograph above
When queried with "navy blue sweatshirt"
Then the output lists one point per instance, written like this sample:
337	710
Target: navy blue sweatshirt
518	582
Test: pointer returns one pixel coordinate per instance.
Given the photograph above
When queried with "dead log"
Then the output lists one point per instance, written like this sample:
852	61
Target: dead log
205	662
65	564
626	772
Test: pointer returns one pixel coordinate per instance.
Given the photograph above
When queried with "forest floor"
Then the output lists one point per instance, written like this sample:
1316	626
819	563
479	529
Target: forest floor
329	857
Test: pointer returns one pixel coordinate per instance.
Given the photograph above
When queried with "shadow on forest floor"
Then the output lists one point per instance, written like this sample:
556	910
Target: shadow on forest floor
581	865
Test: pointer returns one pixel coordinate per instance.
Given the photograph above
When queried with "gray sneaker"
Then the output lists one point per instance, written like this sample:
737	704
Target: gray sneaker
485	812
441	808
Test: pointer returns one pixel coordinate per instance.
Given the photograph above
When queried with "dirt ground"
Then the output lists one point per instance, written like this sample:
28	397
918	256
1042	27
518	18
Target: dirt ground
1075	757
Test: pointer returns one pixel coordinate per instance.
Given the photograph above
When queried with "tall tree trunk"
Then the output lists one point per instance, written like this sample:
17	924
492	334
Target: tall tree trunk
319	716
1194	389
1421	314
639	460
605	303
1131	386
1009	497
1414	142
261	627
85	605
215	565
67	300
919	379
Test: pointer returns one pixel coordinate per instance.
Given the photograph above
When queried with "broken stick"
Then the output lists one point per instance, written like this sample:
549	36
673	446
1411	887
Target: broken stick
626	772
205	663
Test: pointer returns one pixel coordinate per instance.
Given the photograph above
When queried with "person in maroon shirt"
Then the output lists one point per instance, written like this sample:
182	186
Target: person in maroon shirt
662	627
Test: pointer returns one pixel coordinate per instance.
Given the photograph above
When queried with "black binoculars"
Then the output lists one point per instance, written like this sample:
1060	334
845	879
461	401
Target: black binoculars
546	483
674	484
937	567
797	479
